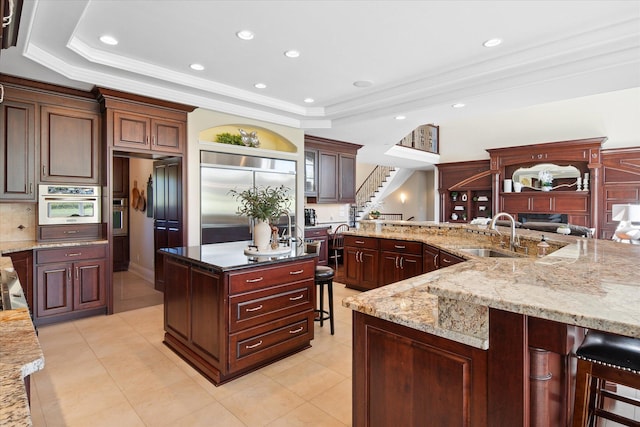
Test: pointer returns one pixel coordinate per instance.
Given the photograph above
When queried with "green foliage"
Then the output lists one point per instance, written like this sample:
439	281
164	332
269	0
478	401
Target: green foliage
228	138
265	203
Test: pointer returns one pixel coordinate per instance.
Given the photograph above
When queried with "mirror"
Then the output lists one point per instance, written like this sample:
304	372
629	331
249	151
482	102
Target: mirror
528	176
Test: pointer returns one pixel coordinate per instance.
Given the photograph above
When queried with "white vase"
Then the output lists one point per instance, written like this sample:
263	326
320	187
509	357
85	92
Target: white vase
546	188
262	235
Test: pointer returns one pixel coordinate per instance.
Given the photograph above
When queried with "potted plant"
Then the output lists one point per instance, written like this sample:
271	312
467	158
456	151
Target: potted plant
264	205
546	180
454	195
374	214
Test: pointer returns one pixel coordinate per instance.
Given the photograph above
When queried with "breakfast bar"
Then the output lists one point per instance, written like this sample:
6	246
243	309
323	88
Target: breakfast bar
488	341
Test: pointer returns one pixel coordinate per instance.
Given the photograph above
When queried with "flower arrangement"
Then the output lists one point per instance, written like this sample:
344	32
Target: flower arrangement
546	178
264	203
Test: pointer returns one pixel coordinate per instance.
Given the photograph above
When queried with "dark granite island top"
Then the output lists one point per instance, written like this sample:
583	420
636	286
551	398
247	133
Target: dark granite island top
227	313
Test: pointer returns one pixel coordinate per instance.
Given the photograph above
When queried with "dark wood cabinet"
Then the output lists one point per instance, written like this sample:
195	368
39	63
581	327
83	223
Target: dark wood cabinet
322	235
229	323
138	132
17	150
70	282
361	262
574	204
121	255
399	260
334	163
406	377
23	264
430	258
69	145
120	183
465	190
620	184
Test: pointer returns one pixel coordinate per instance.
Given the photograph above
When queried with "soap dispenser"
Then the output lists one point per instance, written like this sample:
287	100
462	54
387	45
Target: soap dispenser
543	247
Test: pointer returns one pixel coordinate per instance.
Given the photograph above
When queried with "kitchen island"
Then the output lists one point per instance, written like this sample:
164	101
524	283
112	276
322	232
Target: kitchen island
488	341
227	313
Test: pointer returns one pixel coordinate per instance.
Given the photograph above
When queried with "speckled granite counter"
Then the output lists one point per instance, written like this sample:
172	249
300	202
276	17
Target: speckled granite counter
27	245
585	282
20	356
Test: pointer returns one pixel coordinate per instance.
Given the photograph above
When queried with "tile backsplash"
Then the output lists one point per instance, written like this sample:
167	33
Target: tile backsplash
14	215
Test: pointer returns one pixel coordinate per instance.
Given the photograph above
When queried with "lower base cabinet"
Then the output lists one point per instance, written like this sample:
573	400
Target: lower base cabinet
120	253
226	324
68	289
405	377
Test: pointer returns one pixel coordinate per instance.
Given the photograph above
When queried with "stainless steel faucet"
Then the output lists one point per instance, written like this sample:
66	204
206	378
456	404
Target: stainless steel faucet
492	226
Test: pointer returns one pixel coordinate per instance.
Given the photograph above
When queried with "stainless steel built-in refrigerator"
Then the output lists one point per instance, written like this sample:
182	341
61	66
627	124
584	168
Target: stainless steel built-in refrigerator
222	172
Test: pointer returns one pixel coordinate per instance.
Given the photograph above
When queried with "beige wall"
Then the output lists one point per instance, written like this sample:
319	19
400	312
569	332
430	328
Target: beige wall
614	115
141	249
201	119
419	202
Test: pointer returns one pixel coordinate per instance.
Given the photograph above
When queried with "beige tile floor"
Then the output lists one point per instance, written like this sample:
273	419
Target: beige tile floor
115	371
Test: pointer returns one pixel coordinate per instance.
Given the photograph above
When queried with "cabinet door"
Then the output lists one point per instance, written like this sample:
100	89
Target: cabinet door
167	136
17	151
409	266
176	299
328	177
311	173
120	253
430	258
369	268
54	293
389	265
120	187
89	284
347	177
131	131
69	146
351	265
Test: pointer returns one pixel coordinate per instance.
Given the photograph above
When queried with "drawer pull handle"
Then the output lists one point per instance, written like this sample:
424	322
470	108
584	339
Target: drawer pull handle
295	331
293	273
399	246
254	280
446	260
254	309
73	254
71	232
258	344
360	242
296	298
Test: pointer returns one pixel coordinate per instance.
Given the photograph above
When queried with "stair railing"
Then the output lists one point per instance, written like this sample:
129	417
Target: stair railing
374	181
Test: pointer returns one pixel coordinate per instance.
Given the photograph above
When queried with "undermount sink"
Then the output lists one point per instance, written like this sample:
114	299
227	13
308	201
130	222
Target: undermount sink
484	252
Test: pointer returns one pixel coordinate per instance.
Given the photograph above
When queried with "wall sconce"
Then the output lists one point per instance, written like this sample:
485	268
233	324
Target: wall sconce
403	198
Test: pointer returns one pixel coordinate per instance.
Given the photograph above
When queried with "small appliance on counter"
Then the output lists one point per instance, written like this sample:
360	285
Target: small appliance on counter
310	218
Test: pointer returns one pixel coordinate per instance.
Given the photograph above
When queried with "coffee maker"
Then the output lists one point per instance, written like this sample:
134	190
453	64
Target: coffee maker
309	217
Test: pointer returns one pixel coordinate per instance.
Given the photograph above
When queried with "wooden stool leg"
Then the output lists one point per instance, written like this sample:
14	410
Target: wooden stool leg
583	394
321	303
330	292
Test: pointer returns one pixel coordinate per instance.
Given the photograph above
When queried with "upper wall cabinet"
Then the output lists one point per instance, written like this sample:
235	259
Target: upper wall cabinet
144	125
17	151
69	145
333	164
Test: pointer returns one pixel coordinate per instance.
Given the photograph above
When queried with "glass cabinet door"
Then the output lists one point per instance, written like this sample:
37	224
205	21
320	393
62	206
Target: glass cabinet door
310	173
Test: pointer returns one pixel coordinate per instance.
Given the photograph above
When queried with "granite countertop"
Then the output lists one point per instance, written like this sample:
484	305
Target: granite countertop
20	356
585	282
27	245
231	256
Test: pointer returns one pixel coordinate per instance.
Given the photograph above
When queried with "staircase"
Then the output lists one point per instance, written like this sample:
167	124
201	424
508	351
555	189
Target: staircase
381	181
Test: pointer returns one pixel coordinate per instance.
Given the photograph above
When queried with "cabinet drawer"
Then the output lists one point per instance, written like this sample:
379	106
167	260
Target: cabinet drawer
262	344
401	246
254	308
70	232
72	253
315	233
271	276
361	242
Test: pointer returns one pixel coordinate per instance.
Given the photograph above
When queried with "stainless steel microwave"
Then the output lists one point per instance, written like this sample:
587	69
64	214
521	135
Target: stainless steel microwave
68	204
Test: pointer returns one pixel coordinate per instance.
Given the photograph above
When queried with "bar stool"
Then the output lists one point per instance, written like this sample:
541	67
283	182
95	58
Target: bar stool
604	357
324	277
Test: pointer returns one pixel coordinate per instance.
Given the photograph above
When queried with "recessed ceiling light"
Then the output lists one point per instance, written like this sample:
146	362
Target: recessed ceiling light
362	83
492	43
458	105
245	35
260	85
400	117
110	40
197	67
292	53
309	100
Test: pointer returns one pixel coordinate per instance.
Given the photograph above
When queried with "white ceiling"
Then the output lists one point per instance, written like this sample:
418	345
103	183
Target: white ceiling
422	57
